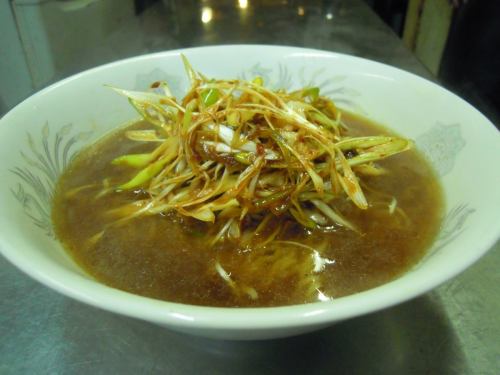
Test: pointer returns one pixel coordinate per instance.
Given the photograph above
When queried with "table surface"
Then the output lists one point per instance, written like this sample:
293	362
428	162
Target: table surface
453	330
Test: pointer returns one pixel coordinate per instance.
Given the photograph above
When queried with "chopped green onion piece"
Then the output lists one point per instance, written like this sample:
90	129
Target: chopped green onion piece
233	118
312	92
145	175
263	202
133	160
209	96
186	121
323	120
244	157
259	81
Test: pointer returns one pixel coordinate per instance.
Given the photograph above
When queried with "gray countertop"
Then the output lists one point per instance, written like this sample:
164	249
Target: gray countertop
453	330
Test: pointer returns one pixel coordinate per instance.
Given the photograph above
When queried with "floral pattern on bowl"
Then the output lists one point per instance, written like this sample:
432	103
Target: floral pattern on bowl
44	161
441	144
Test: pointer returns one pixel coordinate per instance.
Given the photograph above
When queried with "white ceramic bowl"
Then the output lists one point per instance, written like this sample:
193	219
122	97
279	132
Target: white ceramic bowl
38	137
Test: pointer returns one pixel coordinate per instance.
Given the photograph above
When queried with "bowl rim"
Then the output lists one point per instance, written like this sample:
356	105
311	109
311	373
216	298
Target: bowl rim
230	318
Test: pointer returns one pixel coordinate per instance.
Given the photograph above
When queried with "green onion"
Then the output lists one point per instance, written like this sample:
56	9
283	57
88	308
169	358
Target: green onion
244	157
144	175
259	81
209	97
266	201
311	92
133	160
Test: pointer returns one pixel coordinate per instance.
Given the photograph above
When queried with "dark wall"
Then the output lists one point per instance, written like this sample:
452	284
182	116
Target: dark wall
471	60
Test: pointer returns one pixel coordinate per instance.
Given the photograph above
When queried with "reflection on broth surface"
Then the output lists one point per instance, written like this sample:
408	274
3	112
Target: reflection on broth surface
173	257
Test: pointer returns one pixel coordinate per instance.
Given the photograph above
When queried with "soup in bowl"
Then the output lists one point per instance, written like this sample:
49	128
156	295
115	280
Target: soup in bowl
263	201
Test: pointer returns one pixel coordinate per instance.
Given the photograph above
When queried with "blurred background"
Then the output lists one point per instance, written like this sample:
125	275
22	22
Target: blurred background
42	41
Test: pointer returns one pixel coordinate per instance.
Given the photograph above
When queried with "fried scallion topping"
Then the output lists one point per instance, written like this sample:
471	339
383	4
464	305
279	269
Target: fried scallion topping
231	150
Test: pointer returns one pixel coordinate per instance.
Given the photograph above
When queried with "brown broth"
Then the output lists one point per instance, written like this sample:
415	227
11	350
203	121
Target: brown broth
167	256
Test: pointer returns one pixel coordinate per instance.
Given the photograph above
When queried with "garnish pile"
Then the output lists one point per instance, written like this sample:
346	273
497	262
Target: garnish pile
233	153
